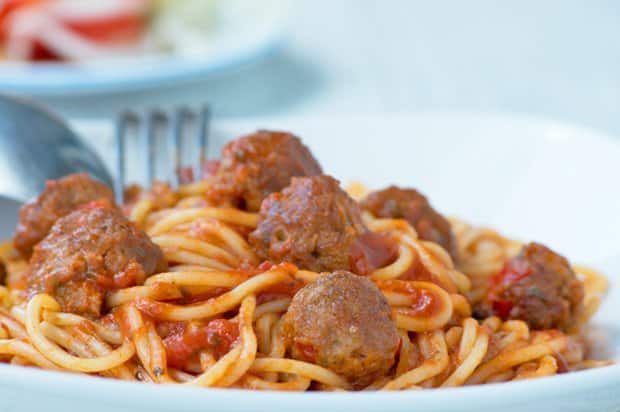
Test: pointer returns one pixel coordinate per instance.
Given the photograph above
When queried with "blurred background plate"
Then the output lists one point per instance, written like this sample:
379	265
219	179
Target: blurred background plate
245	33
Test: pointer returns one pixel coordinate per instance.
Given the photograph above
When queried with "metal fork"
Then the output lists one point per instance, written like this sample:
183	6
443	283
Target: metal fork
147	127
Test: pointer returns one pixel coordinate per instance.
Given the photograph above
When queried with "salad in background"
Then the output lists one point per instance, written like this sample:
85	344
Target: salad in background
83	30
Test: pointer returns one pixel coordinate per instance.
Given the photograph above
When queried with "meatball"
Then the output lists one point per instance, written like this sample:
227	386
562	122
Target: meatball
343	322
411	205
539	287
59	198
315	225
88	252
256	165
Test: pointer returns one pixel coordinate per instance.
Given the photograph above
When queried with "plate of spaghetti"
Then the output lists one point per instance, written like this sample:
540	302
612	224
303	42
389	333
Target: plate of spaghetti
263	282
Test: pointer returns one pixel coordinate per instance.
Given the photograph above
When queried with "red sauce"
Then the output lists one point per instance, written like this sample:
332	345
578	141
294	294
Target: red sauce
132	275
151	308
187	339
286	289
307	351
280	290
417	271
502	308
371	251
514	270
425	302
167	328
265	266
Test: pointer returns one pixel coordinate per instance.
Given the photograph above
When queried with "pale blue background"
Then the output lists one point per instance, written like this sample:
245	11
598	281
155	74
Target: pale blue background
558	59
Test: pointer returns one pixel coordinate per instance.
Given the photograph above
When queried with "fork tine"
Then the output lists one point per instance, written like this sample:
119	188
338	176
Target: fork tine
177	125
175	146
203	136
125	120
154	118
181	116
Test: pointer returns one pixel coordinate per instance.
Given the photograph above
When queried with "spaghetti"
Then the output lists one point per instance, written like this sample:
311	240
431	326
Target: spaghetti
215	318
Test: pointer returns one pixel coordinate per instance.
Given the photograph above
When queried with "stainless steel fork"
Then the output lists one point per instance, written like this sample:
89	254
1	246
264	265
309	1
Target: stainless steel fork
148	129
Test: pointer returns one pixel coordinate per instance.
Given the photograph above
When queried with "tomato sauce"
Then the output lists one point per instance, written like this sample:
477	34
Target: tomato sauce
417	271
280	290
132	275
370	252
307	351
151	308
425	302
286	289
514	270
186	339
502	308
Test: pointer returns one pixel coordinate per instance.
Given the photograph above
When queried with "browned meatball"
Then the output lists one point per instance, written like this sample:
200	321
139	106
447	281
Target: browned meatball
411	205
88	252
342	322
539	287
314	224
256	165
59	198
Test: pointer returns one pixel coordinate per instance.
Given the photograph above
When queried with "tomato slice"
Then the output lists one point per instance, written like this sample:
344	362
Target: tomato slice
307	351
7	7
502	308
73	29
109	29
371	251
514	270
186	339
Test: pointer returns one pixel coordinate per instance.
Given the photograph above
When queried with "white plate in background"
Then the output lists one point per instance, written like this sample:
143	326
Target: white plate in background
530	178
248	34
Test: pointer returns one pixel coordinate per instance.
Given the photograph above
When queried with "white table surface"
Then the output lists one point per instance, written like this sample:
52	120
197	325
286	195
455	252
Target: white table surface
558	59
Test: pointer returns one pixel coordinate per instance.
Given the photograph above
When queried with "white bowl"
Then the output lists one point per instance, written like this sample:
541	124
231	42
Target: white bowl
531	179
